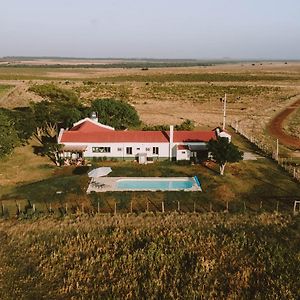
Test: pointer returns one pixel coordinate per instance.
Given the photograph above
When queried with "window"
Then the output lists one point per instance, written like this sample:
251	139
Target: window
128	150
155	150
138	148
119	149
147	149
101	149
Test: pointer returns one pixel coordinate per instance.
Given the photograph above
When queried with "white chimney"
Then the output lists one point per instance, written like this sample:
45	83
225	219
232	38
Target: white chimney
171	142
94	116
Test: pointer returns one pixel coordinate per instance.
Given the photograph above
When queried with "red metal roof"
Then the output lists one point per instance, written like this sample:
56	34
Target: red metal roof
115	137
88	132
193	136
135	136
87	126
182	147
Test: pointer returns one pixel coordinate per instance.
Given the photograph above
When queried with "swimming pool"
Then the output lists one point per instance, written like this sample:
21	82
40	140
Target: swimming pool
155	184
114	184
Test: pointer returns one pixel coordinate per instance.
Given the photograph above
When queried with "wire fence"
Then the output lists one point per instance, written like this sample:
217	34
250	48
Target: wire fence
268	149
31	211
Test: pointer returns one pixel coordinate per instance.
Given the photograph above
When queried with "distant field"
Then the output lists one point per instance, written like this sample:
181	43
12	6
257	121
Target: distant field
256	91
4	88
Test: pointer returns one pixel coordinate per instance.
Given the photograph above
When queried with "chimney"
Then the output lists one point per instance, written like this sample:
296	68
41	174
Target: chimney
171	142
94	116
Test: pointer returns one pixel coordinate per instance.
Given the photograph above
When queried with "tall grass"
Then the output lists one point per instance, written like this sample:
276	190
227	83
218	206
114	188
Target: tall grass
211	256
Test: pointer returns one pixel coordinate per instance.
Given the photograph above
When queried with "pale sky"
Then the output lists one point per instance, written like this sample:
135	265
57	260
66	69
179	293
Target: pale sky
203	29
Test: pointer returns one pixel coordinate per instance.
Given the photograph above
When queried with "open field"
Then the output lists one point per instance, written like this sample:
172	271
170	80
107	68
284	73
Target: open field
170	256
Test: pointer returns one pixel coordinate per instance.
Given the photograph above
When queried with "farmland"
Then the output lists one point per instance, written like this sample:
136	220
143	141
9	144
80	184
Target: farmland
236	239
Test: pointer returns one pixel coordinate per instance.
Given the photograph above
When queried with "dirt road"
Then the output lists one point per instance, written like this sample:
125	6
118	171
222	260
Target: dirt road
276	127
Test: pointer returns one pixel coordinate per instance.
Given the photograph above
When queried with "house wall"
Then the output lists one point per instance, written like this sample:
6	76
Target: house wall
118	150
183	155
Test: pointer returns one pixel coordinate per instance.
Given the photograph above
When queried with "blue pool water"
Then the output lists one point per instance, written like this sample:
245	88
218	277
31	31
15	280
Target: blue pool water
147	184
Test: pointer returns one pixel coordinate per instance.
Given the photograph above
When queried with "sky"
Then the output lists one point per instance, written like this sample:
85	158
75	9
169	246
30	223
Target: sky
200	29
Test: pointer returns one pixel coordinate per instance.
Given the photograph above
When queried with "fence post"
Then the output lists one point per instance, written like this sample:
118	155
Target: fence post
210	207
98	207
194	206
227	206
260	205
115	210
163	207
147	207
178	205
66	208
33	207
131	207
244	206
277	206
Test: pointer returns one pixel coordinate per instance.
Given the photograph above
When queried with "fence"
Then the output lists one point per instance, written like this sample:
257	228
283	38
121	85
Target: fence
133	207
268	149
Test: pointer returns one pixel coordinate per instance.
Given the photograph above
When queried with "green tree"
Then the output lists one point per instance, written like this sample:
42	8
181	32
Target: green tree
60	106
186	125
47	137
8	135
115	113
224	152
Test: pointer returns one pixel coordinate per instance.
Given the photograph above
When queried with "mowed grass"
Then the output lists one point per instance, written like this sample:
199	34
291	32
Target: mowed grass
23	166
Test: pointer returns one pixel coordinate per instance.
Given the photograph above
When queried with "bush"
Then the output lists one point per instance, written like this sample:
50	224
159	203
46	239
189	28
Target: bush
115	113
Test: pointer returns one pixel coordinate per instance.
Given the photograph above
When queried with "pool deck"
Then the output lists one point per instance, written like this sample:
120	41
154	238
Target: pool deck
109	184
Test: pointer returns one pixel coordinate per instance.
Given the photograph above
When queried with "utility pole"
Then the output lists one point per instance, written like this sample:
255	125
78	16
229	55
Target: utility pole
224	112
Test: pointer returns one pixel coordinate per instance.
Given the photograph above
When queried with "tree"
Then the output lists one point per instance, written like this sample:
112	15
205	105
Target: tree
186	125
115	113
60	106
223	152
47	137
8	135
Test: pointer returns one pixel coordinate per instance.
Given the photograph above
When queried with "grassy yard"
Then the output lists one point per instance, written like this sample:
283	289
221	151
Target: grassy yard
26	177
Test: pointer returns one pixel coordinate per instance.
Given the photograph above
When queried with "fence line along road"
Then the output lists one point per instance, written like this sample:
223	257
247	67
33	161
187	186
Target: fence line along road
268	150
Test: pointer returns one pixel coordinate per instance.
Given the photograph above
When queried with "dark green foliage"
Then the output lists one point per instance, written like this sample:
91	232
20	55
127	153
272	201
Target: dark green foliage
162	127
23	121
61	106
115	113
8	135
186	125
224	151
64	114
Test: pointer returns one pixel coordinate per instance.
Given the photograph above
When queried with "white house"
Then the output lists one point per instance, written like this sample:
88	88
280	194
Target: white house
88	138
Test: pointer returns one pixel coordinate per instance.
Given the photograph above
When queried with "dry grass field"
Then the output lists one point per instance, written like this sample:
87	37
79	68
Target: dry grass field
256	92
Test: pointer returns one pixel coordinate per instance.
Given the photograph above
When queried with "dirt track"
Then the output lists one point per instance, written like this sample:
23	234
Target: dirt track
276	127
